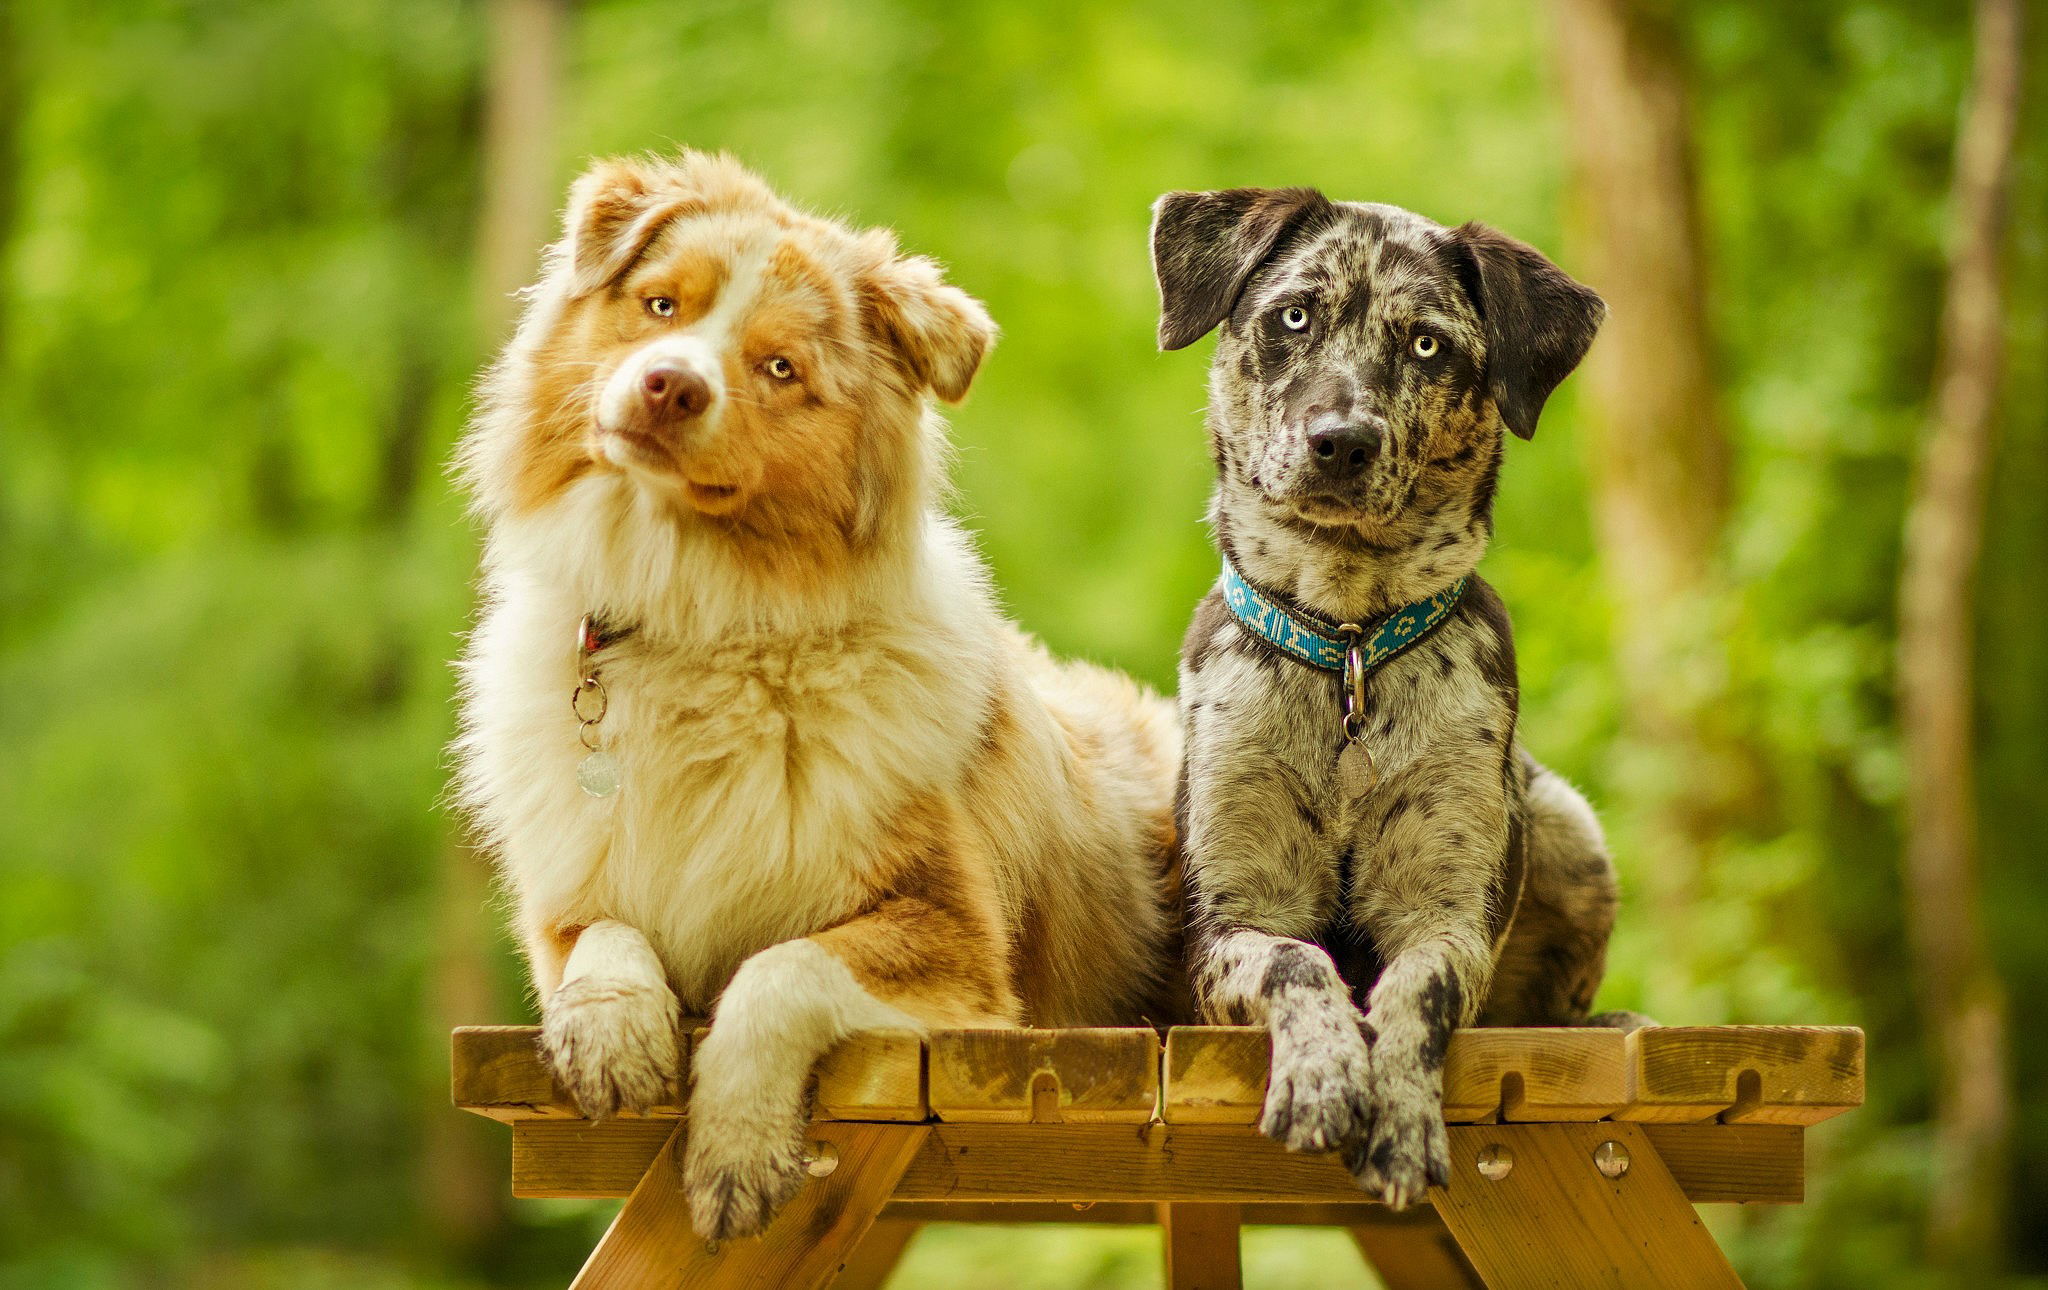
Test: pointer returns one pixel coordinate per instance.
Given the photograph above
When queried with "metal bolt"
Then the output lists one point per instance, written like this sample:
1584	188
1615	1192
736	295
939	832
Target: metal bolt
821	1159
1494	1162
1611	1159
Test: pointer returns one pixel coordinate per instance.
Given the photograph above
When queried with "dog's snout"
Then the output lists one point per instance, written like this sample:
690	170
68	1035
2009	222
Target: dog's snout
1344	446
673	390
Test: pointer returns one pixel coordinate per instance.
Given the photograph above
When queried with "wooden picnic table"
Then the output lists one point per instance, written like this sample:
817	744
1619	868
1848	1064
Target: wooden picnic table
1576	1155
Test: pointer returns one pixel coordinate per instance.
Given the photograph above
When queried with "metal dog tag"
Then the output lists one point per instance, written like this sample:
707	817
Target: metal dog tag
1356	775
598	774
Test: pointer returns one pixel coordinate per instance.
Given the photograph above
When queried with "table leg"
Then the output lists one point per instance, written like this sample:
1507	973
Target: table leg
1415	1255
877	1255
1552	1218
1201	1246
651	1242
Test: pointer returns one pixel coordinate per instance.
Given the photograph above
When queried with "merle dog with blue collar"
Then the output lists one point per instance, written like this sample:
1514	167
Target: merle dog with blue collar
1372	859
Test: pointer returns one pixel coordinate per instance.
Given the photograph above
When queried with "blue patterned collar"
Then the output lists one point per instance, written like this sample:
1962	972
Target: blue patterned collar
1323	645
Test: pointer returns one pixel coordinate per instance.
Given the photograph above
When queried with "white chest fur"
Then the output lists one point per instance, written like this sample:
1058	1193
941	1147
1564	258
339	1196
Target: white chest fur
759	771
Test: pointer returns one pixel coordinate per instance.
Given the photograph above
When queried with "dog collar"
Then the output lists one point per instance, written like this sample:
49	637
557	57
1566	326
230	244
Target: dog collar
1329	646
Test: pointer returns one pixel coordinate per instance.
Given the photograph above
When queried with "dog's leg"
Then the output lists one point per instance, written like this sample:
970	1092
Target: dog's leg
930	956
1556	951
1438	867
609	1029
1316	1092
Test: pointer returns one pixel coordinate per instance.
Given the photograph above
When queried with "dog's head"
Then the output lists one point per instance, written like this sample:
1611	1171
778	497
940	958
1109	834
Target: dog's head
754	369
1368	356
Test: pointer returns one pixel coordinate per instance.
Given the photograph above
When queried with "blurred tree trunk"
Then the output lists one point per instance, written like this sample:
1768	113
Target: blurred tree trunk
519	156
466	1159
1660	456
12	105
1964	999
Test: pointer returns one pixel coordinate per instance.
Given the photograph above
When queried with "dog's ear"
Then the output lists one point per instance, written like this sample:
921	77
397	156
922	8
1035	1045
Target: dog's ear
940	332
1538	321
1205	246
615	209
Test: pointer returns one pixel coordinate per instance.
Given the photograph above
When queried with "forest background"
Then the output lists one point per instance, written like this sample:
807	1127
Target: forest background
1776	558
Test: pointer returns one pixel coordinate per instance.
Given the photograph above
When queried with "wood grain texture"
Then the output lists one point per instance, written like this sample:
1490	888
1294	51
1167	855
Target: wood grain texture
1095	1076
1714	1163
1217	1074
584	1159
498	1071
878	1075
1555	1222
1416	1256
878	1253
1743	1074
651	1242
1201	1247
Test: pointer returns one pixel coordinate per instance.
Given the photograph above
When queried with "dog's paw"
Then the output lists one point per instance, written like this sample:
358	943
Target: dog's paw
612	1044
737	1182
1407	1151
1317	1091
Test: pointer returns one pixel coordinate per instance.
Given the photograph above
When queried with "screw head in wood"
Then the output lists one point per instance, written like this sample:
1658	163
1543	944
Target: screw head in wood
1494	1162
820	1159
1611	1159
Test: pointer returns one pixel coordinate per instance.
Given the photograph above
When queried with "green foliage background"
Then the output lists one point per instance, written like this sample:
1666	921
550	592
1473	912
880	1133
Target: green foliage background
235	343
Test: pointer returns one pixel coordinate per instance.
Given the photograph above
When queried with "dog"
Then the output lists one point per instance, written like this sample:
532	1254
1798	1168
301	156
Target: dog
741	722
1358	836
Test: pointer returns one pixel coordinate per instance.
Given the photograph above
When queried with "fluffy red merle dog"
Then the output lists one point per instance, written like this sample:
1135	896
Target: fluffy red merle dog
1372	858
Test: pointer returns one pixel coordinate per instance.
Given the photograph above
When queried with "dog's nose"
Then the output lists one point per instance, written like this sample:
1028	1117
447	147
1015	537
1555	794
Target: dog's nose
1344	448
674	391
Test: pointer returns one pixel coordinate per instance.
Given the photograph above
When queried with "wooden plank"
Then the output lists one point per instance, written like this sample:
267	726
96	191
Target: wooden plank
1201	1247
877	1075
1535	1074
1714	1163
877	1255
1096	1076
582	1159
652	1243
1415	1256
1553	1220
498	1071
1742	1164
1217	1074
1743	1074
1137	1213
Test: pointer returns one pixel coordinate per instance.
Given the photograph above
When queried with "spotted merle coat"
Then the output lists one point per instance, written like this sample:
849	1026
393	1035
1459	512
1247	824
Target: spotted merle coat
1367	363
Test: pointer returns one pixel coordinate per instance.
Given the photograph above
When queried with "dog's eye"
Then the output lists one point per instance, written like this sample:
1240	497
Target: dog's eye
1294	317
1425	345
780	368
661	306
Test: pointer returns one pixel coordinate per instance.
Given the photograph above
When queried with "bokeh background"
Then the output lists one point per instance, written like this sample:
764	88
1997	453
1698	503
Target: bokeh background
252	253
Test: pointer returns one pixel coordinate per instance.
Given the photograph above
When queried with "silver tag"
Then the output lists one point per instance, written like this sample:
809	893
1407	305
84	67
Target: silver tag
1356	775
598	774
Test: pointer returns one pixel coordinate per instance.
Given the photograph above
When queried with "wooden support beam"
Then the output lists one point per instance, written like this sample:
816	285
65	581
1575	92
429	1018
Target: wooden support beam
1416	1256
651	1241
878	1253
1551	1219
1081	1164
1095	1076
1201	1247
1743	1074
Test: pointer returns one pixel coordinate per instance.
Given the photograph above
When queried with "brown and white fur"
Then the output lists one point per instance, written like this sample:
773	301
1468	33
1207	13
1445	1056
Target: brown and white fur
854	796
1368	363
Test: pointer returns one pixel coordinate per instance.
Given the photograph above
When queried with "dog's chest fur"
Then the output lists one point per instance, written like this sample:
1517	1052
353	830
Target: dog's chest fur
1257	720
758	770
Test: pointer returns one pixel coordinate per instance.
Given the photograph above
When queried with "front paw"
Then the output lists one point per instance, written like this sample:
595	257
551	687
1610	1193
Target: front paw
1408	1149
1316	1093
736	1182
612	1044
